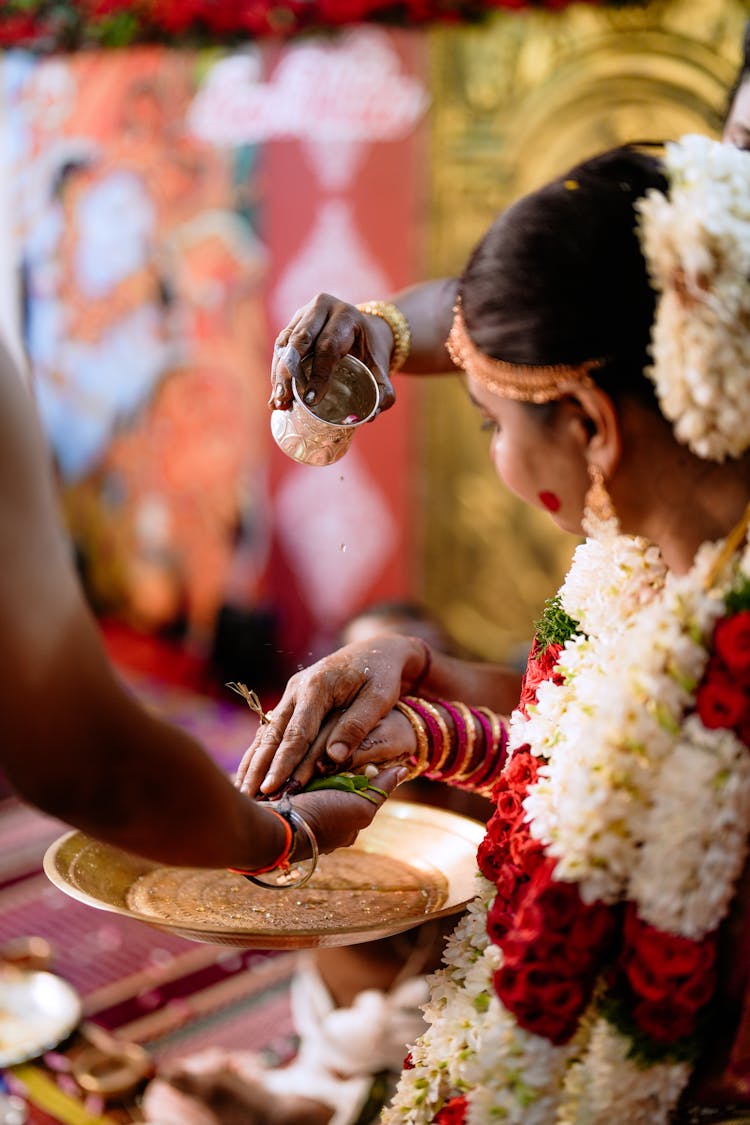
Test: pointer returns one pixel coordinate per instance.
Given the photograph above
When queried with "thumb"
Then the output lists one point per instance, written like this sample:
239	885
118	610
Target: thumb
389	779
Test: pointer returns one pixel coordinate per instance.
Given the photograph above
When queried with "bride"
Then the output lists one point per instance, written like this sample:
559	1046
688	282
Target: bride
599	975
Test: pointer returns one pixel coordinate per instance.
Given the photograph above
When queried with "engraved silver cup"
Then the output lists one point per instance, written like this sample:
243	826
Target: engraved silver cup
321	434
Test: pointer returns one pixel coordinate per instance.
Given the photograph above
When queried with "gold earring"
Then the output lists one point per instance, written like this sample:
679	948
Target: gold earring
599	515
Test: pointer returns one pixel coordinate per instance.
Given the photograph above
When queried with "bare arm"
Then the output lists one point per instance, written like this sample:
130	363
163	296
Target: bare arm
74	742
330	328
428	307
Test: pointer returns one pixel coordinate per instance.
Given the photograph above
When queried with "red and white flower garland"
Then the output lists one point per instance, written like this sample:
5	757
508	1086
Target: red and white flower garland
49	25
576	986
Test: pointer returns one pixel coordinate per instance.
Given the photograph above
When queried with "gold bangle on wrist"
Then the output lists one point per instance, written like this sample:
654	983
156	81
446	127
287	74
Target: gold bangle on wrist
445	737
398	325
423	742
496	725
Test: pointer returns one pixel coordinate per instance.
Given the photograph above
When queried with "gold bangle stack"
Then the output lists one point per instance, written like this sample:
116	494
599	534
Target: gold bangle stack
398	325
488	775
445	738
423	742
495	723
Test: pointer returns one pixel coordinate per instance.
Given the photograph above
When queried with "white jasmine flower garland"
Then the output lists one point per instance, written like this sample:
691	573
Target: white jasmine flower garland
697	245
593	807
637	802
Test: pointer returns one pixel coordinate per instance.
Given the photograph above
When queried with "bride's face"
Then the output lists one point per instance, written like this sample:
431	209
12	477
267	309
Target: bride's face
534	454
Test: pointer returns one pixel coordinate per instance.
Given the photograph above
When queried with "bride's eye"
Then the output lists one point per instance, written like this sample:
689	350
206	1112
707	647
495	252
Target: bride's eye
488	424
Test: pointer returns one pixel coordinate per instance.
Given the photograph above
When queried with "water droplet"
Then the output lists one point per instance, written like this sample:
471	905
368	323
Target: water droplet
367	671
342	546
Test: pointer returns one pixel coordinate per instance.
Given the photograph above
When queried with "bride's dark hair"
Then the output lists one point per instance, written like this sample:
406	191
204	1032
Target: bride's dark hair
559	277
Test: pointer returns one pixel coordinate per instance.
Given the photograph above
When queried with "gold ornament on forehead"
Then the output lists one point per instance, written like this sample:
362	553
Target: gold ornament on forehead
522	382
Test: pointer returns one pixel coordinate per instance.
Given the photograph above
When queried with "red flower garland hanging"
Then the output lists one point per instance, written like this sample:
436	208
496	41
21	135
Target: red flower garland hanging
48	25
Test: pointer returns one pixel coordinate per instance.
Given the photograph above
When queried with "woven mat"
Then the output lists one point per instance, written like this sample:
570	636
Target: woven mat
172	995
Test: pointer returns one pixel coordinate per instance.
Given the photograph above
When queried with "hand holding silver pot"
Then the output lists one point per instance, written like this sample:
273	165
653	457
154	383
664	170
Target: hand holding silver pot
321	433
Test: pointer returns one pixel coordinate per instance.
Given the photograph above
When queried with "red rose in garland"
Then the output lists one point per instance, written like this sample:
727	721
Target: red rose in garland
507	822
732	643
669	978
664	1021
521	771
175	16
453	1113
719	702
540	667
545	981
723	697
20	30
46	25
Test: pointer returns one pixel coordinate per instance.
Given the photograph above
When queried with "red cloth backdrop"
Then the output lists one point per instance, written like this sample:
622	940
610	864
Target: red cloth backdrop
346	216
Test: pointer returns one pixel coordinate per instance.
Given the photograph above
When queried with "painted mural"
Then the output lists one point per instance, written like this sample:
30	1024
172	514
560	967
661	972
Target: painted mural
171	211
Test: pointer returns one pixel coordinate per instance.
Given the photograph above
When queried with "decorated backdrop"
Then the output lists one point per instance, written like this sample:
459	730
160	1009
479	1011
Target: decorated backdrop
171	210
345	154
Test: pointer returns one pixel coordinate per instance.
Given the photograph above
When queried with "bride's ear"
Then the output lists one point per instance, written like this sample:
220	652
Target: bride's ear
598	429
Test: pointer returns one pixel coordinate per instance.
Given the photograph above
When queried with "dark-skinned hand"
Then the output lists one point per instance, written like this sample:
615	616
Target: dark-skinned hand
327	329
329	709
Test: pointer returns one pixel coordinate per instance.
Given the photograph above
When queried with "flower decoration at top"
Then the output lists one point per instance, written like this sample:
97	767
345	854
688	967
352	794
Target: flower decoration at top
50	25
696	241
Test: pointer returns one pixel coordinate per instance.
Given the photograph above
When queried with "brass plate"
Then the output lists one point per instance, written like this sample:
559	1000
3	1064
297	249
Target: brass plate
440	845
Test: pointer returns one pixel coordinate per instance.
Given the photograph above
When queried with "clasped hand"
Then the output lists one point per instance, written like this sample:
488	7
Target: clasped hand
336	715
328	329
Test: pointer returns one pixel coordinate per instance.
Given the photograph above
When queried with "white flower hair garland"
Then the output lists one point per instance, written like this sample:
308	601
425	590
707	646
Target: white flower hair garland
696	242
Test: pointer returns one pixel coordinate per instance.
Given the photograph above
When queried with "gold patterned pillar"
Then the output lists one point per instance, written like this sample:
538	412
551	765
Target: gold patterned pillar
516	101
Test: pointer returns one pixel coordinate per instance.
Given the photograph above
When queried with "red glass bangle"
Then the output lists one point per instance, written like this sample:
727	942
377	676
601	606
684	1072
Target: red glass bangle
283	858
457	756
496	742
464	767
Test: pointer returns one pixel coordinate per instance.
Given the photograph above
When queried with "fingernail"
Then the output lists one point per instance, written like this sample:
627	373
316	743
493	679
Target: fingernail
338	751
278	391
309	397
401	775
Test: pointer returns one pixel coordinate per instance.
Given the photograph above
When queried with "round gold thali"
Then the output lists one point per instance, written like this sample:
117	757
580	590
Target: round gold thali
413	863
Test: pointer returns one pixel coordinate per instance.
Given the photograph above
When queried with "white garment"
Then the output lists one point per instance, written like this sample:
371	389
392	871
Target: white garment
340	1050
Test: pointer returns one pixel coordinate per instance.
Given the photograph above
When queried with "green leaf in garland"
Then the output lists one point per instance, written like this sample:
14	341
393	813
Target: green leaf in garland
738	598
555	626
614	1008
121	29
